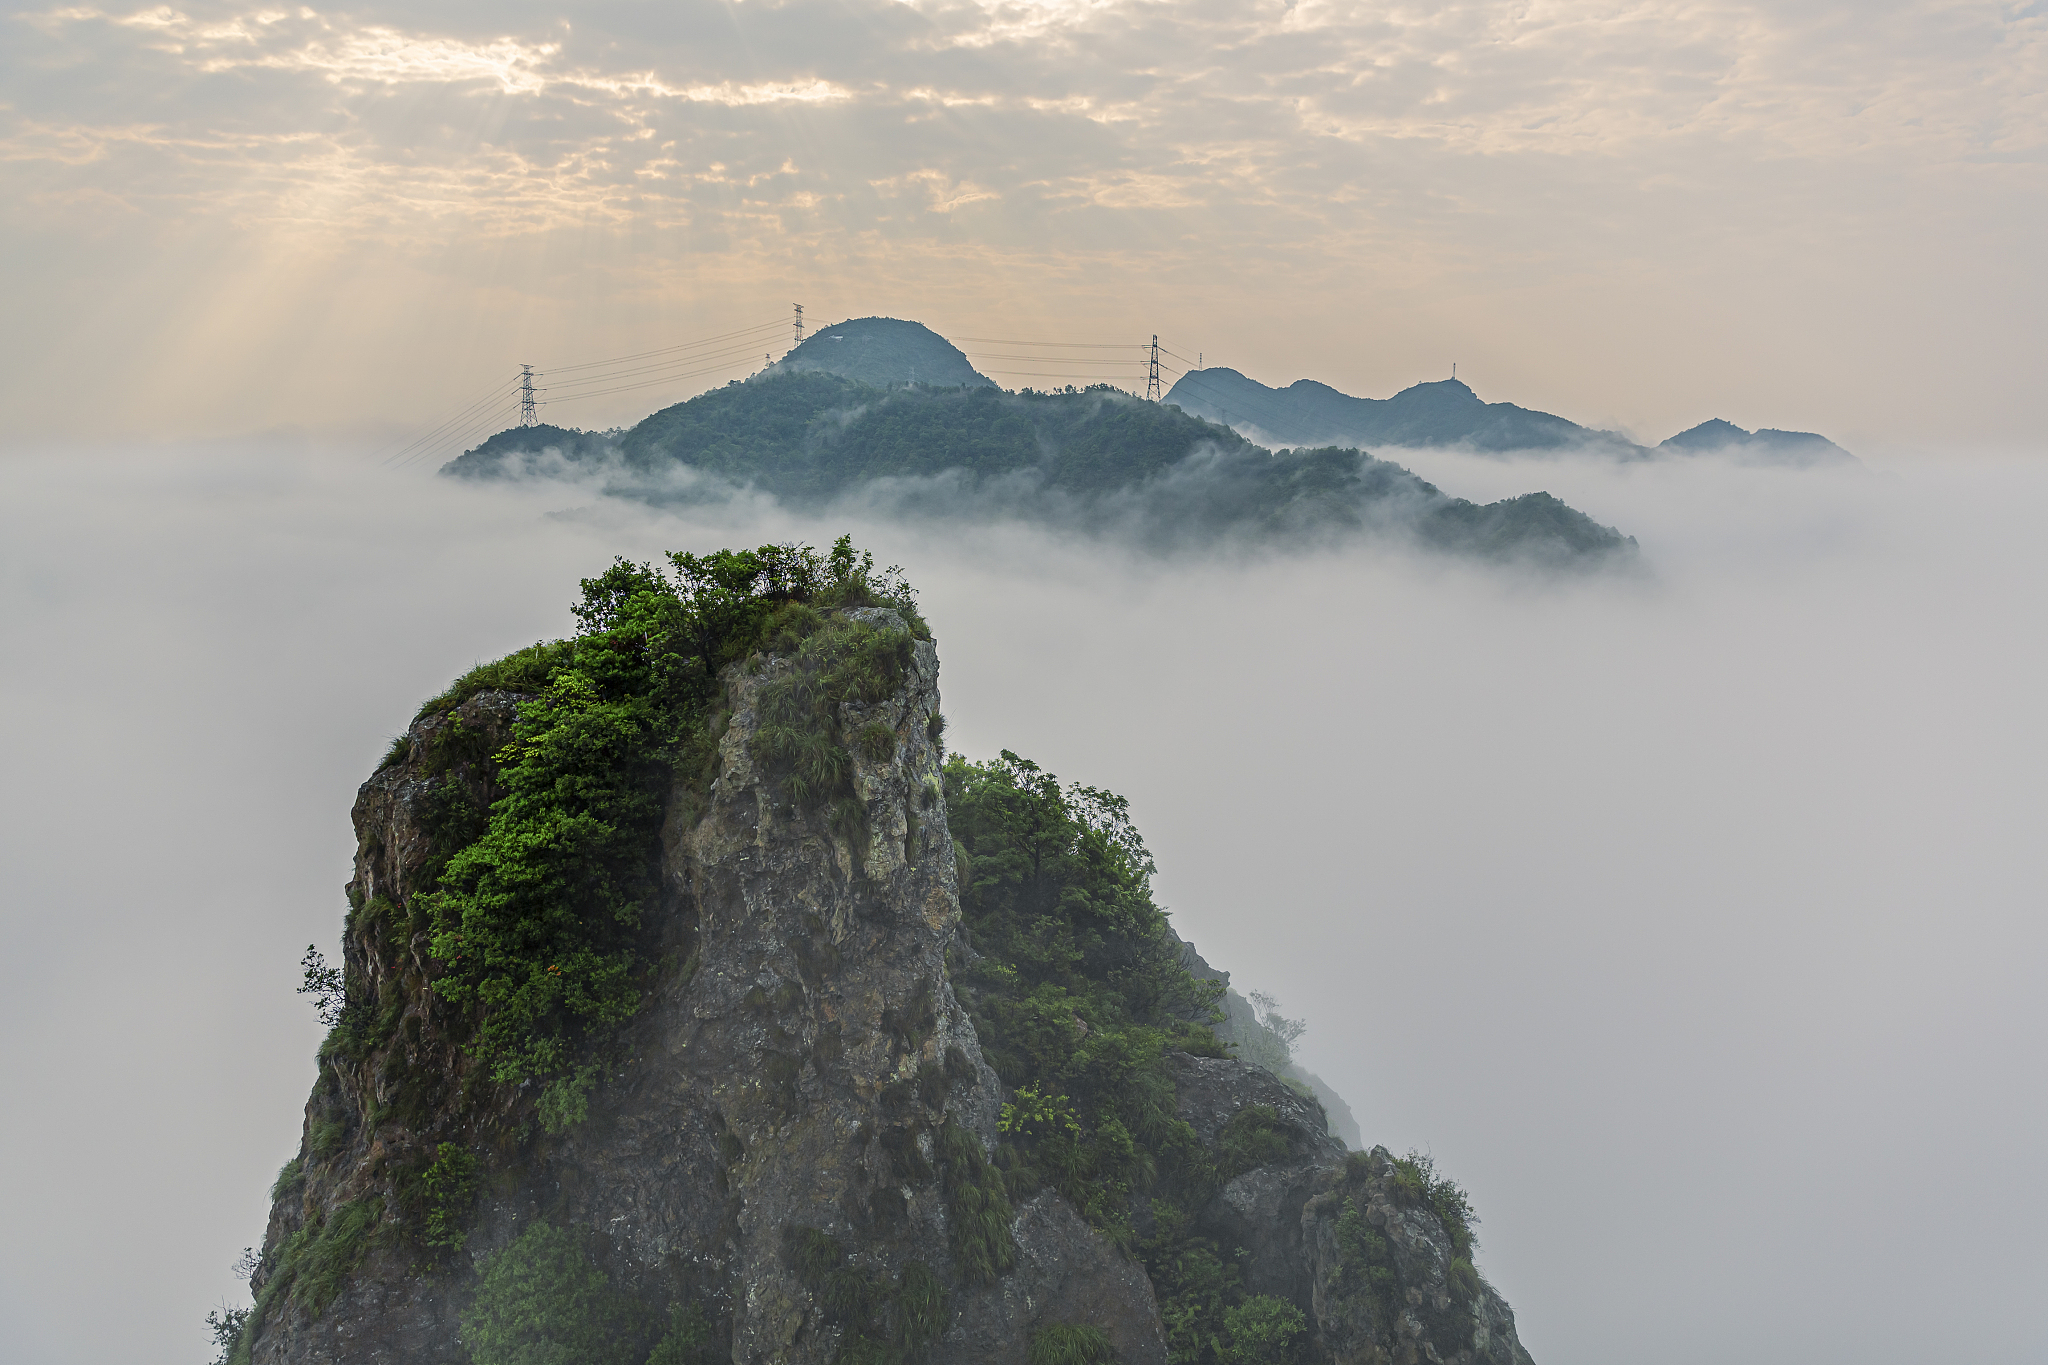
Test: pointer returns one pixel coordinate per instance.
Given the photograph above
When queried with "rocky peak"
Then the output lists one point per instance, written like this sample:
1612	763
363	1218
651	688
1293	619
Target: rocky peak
796	1150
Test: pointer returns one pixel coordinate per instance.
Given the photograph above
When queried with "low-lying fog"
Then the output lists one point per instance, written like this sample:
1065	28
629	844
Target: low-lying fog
1693	920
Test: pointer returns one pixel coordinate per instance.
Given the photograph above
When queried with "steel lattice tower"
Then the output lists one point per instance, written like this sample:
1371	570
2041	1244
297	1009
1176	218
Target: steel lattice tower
526	412
1152	379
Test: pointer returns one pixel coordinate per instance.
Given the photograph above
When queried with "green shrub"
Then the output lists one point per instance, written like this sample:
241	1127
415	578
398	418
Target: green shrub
544	1300
536	918
1367	1261
324	1137
1263	1330
291	1178
526	670
1416	1183
448	1188
977	1205
877	742
327	1260
1080	991
227	1325
882	1323
920	1306
1194	1286
399	752
1463	1279
1253	1136
1064	1343
1409	1178
309	1268
689	1339
799	741
566	1100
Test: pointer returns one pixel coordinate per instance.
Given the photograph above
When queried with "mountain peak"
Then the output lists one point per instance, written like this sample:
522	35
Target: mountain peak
884	352
1711	434
1768	446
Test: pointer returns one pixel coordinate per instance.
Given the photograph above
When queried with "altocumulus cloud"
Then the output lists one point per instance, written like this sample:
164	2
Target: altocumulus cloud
1525	178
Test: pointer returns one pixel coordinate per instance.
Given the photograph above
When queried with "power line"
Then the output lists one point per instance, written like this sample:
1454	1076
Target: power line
1104	360
686	360
643	384
610	375
685	346
1269	417
1063	345
1046	374
496	419
495	392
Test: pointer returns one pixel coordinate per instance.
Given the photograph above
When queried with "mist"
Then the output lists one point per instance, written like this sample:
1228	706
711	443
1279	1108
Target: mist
1689	918
1233	500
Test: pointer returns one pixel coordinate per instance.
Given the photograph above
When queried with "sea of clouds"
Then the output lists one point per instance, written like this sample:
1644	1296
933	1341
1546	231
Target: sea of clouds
1690	917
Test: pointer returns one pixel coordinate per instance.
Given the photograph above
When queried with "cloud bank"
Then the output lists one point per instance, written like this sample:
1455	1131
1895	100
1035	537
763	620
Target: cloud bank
1692	921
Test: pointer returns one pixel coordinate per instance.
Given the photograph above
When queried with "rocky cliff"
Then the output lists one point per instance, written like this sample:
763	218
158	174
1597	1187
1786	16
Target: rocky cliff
794	1149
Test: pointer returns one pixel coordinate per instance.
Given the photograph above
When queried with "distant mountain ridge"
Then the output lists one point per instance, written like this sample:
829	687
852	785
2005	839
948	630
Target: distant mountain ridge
1447	413
1769	446
1097	460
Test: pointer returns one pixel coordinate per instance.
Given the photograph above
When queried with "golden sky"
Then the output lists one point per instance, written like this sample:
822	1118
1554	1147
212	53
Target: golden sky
229	218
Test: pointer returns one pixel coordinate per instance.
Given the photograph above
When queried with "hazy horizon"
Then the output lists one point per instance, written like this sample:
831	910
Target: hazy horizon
225	219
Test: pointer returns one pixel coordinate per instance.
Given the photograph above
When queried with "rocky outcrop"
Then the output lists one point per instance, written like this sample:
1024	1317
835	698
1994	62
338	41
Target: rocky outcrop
800	1065
1066	1273
1342	1237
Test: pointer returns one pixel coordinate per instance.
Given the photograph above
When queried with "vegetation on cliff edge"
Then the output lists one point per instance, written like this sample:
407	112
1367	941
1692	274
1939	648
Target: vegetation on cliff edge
536	921
1079	994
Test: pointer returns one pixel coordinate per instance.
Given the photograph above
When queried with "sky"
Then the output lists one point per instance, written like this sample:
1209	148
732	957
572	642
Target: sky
222	219
1689	918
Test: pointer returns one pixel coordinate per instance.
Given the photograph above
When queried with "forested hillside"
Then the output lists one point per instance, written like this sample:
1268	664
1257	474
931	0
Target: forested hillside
1095	459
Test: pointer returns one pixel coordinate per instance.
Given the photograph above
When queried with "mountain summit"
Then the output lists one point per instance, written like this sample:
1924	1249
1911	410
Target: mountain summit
884	353
1802	449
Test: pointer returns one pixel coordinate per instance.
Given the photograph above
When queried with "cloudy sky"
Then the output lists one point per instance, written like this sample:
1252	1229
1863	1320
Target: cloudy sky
1692	920
227	217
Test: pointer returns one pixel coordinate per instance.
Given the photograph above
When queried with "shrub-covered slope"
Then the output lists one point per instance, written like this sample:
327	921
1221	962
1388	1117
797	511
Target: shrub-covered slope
1095	459
694	1006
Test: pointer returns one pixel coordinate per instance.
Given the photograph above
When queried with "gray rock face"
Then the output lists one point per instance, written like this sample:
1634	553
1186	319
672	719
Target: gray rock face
1240	1027
790	1069
1307	1226
797	1059
1065	1272
1406	1297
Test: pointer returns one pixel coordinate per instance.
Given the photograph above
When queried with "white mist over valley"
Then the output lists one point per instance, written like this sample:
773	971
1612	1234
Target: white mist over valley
1687	913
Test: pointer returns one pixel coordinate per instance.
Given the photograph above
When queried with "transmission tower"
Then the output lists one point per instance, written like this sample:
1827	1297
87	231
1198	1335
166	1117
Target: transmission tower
1152	379
526	413
799	323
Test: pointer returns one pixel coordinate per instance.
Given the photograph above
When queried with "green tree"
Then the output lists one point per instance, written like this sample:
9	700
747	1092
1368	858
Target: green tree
544	1300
